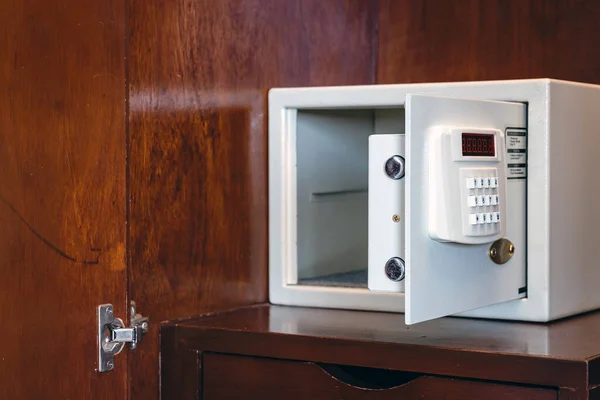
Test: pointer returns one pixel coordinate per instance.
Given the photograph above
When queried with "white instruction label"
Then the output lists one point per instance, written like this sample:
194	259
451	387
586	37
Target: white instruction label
517	158
517	172
516	153
516	142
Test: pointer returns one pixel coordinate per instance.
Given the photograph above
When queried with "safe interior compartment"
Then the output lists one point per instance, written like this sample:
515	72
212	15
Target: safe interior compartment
332	149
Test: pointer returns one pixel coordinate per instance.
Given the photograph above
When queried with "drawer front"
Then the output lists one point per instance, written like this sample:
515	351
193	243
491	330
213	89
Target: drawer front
239	377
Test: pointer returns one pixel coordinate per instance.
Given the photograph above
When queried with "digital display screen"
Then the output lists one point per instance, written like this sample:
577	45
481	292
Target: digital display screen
478	144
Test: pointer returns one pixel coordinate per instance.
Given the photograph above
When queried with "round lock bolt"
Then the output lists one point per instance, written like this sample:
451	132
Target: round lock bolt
395	269
394	167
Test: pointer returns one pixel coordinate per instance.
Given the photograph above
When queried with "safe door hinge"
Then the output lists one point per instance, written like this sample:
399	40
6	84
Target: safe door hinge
113	335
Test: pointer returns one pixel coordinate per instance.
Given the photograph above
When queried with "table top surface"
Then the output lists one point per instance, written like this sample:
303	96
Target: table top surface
575	338
562	353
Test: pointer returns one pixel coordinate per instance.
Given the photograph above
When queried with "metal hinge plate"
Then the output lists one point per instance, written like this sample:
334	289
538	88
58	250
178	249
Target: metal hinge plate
113	335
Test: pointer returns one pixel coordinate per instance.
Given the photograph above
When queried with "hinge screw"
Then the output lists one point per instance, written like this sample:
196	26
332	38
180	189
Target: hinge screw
110	365
109	311
145	326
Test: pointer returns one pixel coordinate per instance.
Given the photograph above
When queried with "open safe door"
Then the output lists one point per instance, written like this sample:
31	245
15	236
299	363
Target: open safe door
457	204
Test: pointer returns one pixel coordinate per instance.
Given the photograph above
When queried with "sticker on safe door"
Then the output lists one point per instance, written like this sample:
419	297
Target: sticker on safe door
517	158
516	142
516	153
517	172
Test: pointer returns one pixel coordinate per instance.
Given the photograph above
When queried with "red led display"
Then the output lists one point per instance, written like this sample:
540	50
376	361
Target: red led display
478	144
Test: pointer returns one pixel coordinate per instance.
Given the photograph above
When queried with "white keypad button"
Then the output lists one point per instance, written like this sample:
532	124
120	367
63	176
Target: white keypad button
495	199
481	218
485	183
495	217
490	199
473	201
485	200
496	182
488	218
493	182
473	219
478	183
471	183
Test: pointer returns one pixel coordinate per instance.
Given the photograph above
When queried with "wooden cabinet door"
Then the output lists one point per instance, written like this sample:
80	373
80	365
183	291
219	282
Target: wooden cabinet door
62	195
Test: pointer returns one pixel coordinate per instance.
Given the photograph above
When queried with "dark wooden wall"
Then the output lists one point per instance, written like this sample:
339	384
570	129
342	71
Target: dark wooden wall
199	74
199	71
438	40
62	194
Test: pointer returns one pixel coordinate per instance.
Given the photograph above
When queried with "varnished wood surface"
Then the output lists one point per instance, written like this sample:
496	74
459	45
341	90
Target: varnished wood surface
199	74
554	354
180	367
62	194
236	377
567	339
199	71
437	40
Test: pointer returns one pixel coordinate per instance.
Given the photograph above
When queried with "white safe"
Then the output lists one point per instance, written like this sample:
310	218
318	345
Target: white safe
473	199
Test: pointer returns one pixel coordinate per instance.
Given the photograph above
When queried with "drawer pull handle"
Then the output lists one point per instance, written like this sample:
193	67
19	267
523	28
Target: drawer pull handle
368	378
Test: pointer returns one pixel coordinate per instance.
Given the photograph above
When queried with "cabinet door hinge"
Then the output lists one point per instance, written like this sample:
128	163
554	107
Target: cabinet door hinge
113	335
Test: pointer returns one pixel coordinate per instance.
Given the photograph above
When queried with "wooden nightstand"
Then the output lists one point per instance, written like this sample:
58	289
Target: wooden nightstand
292	353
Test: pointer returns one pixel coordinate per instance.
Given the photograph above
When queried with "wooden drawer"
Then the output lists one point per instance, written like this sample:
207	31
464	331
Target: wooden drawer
239	377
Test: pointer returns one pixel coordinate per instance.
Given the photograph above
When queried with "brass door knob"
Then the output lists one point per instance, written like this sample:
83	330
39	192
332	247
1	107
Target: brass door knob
501	251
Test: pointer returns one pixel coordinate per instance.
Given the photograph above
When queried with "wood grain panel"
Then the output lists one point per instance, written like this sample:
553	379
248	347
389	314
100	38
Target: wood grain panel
200	71
180	367
235	377
62	194
572	339
436	40
556	354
